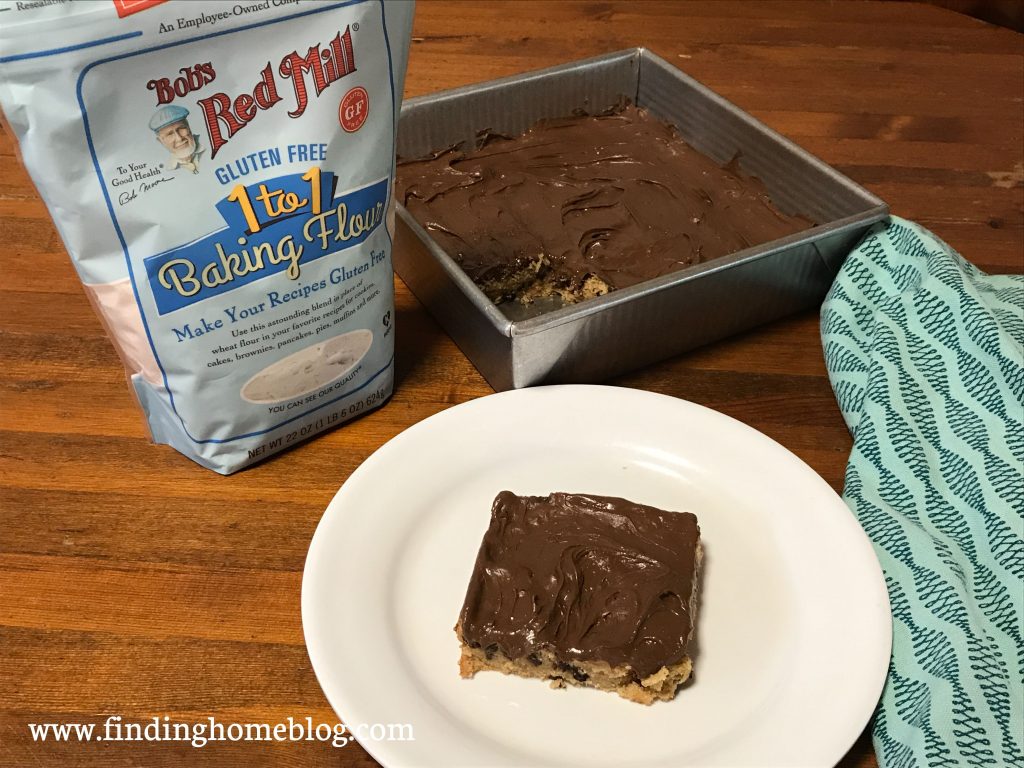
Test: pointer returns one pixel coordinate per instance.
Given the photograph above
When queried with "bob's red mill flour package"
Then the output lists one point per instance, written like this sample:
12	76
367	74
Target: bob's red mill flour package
221	174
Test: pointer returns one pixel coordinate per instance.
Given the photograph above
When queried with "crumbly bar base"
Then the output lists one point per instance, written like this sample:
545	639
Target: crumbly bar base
513	281
535	281
660	686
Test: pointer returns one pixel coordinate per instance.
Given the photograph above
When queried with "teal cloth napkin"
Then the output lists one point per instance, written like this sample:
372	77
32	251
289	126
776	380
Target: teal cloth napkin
926	356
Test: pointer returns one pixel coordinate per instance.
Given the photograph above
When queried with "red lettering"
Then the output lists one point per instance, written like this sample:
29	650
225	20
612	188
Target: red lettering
164	93
265	91
295	67
218	109
225	118
245	107
215	109
344	56
191	79
330	74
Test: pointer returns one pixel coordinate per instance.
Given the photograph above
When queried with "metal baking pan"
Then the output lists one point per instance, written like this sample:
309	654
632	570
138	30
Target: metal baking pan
515	346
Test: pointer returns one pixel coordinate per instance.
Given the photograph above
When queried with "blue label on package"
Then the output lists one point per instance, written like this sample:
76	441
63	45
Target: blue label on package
274	226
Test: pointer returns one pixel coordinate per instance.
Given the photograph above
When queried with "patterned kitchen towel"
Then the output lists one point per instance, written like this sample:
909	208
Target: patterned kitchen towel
926	356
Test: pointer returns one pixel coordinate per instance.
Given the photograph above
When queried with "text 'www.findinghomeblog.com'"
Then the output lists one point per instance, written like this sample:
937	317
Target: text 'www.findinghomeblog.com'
210	730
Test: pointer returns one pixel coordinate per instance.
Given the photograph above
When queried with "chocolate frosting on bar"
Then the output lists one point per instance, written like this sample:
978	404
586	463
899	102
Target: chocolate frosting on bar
592	578
619	196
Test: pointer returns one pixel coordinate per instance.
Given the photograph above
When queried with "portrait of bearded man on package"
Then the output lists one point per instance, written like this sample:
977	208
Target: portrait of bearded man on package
170	124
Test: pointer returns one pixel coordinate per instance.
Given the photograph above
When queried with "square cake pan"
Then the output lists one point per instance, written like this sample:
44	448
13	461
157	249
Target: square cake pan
515	346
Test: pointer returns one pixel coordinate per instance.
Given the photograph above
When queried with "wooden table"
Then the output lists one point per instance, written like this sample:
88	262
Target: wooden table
132	582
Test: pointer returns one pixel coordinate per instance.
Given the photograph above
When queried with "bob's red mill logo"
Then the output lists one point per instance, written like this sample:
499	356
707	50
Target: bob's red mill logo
225	116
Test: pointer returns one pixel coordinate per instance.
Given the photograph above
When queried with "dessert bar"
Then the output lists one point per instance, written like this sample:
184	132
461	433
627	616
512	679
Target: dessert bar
584	590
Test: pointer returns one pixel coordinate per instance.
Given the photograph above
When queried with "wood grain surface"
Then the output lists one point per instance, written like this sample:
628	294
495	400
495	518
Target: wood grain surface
133	582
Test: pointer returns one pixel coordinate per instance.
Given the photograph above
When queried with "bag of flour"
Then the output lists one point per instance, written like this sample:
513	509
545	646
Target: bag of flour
221	175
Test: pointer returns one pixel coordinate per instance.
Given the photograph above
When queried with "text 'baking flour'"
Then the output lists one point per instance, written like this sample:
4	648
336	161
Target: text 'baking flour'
222	175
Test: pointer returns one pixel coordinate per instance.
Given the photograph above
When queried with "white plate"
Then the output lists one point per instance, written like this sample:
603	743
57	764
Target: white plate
793	633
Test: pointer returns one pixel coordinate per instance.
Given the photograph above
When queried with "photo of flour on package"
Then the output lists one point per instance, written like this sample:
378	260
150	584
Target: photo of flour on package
222	177
310	369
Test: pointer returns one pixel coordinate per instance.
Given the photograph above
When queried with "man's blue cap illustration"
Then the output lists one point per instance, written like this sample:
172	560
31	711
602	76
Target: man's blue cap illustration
164	116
